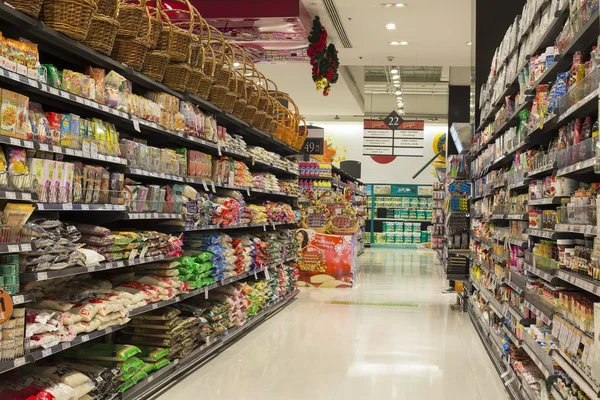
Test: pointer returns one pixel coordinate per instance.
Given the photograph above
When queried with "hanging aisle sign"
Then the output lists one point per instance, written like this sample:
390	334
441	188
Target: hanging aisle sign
406	139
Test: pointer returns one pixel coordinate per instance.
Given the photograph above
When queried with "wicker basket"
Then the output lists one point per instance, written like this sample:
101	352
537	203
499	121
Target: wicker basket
129	51
280	116
131	18
108	7
196	75
177	76
155	65
156	25
220	87
29	7
182	30
315	218
312	260
302	134
69	17
250	110
208	66
102	33
239	107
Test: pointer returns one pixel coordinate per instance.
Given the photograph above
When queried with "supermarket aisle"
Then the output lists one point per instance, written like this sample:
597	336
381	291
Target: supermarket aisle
418	349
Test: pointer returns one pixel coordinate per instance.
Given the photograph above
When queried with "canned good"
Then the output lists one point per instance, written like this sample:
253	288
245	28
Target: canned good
11	289
11	279
9	259
9	269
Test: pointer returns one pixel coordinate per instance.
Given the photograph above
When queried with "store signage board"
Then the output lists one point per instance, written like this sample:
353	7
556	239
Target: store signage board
402	190
393	137
382	189
315	141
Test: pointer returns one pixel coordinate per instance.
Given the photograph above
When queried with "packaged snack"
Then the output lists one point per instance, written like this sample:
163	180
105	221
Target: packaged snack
17	214
54	78
54	121
9	112
98	75
32	55
23	128
17	51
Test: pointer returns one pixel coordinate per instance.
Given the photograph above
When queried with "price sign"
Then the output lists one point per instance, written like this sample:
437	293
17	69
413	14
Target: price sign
313	146
136	123
6	306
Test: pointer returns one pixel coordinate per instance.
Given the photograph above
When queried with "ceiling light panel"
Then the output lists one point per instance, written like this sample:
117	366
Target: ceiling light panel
388	5
390	27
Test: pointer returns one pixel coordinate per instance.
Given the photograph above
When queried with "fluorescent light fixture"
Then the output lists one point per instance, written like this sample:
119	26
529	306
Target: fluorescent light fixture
397	84
401	112
400	5
388	5
390	27
398	92
403	43
395	76
394	71
469	43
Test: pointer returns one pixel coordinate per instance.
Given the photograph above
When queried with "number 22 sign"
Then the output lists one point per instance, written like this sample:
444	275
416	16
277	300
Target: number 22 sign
394	120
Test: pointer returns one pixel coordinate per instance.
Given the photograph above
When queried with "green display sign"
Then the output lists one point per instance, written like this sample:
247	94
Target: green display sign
400	190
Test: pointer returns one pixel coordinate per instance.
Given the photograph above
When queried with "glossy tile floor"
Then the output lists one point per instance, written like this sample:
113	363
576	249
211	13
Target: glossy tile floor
316	350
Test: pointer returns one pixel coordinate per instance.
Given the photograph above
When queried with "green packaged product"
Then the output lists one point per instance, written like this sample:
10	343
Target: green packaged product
9	269
204	256
161	364
102	351
150	354
131	382
53	76
129	366
11	279
147	368
11	289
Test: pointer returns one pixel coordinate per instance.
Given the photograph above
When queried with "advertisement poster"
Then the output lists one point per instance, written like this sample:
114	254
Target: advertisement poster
326	261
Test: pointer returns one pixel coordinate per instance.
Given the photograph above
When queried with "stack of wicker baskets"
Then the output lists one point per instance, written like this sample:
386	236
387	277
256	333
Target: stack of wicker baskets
131	44
178	71
158	56
104	26
174	45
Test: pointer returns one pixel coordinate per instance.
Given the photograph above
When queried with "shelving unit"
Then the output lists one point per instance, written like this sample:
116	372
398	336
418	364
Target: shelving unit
67	53
514	273
397	213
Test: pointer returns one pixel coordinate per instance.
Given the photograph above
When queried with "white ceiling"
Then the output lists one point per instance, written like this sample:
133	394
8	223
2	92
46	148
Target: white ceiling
437	32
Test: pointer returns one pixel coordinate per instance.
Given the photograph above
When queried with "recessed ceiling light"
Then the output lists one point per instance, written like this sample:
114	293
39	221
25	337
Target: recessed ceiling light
396	76
396	84
469	43
403	43
400	5
394	71
390	27
387	5
398	92
401	112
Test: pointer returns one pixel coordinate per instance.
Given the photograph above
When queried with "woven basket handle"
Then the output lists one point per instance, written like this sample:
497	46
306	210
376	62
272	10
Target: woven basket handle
184	25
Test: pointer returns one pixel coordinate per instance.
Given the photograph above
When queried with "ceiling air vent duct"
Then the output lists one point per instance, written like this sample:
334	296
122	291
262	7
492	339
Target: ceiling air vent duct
337	22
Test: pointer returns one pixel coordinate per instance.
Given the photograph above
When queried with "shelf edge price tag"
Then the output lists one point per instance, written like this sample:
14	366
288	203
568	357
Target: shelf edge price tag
11	195
47	352
20	362
85	338
136	123
206	292
26	247
13	248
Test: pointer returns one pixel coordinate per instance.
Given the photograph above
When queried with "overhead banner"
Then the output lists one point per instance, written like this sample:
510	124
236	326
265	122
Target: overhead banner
406	141
400	190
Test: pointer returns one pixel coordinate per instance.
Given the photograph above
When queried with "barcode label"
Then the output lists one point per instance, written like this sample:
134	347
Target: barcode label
13	248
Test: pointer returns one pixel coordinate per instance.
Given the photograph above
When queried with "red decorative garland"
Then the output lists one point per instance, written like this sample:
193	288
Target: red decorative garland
323	58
